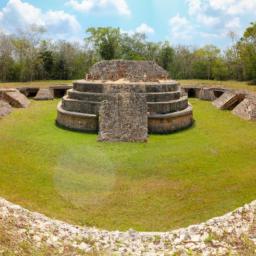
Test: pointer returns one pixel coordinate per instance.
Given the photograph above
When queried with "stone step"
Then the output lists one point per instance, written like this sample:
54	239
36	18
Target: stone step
228	101
98	97
88	86
87	96
161	87
162	96
76	121
73	105
171	122
168	107
99	87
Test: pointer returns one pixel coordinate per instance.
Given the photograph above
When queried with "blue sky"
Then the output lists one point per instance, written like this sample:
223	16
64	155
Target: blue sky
187	22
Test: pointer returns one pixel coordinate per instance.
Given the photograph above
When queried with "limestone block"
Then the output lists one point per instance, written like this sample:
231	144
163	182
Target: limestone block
44	94
123	117
207	94
227	101
246	109
15	98
5	108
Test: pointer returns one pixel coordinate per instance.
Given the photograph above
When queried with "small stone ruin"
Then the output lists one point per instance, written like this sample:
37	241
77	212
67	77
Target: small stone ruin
246	109
44	94
228	100
124	101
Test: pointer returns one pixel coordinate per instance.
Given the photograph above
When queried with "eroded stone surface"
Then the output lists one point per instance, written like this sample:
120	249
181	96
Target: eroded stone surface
246	109
227	101
44	94
5	108
207	94
130	70
15	98
123	116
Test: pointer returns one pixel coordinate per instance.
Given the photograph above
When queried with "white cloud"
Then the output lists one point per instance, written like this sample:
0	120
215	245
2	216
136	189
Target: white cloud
234	7
145	29
194	7
181	28
19	15
233	25
208	20
198	9
88	5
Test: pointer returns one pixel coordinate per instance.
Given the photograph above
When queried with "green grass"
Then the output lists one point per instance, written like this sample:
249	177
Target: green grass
224	84
39	84
172	181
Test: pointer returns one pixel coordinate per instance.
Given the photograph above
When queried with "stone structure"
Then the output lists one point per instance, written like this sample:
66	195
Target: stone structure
246	109
123	87
123	115
133	71
44	94
228	100
14	98
5	108
207	94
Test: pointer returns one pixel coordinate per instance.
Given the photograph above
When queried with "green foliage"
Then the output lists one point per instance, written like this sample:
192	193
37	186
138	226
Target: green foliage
27	57
166	56
105	40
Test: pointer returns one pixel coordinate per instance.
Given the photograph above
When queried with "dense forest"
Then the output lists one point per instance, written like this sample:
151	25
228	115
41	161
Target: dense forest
28	56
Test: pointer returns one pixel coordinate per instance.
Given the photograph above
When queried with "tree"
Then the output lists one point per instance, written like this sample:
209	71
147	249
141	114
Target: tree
166	56
105	40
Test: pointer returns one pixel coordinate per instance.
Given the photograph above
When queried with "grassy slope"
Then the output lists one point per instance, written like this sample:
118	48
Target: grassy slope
172	181
224	84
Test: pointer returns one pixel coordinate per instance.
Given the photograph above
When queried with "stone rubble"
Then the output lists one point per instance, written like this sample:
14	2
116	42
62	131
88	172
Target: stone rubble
231	234
5	108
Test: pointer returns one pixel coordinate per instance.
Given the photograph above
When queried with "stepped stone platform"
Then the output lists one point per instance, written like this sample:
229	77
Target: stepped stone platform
124	101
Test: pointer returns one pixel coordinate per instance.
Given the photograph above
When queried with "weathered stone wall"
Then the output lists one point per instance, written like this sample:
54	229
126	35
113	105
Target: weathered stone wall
207	94
123	116
246	109
163	124
130	70
76	121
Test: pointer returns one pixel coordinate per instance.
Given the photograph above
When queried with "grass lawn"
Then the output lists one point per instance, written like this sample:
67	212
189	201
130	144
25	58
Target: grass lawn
40	84
224	84
172	181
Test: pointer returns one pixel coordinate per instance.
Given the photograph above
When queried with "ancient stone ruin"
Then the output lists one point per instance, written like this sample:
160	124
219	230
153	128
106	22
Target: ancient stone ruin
124	101
246	109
